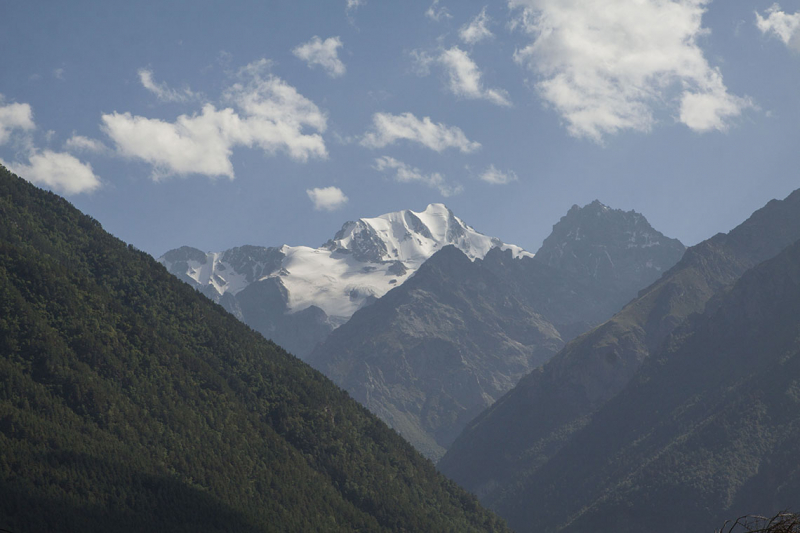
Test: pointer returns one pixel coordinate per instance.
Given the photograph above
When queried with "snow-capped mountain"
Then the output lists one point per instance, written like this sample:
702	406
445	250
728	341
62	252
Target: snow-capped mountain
363	261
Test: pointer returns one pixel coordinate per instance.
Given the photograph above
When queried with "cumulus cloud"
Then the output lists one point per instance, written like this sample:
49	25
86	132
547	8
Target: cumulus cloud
497	177
270	115
79	143
404	173
782	25
61	172
437	13
322	53
327	198
604	66
14	117
477	30
388	129
162	91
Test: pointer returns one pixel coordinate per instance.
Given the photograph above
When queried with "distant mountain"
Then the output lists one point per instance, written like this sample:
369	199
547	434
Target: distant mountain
614	252
708	428
129	402
297	295
436	351
506	446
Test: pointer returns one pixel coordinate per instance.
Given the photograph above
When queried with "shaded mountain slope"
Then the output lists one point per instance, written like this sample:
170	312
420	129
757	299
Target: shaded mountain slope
434	352
708	428
129	402
528	426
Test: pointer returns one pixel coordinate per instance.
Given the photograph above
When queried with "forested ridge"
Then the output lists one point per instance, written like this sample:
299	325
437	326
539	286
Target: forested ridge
129	402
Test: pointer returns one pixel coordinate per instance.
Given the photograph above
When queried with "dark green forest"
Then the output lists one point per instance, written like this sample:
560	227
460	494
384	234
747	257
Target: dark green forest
130	402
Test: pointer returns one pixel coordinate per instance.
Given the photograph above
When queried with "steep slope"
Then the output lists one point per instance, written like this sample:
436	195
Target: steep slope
129	402
320	288
433	353
524	429
708	428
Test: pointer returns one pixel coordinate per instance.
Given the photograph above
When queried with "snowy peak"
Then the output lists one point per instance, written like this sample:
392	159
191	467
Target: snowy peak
363	261
229	271
411	236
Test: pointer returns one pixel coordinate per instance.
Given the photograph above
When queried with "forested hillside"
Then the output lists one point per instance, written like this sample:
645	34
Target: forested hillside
130	402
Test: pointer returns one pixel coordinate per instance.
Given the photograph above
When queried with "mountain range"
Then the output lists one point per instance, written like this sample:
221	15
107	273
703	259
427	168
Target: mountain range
423	319
442	347
667	406
297	295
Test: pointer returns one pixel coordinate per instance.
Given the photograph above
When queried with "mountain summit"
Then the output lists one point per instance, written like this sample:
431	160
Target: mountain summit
296	295
610	246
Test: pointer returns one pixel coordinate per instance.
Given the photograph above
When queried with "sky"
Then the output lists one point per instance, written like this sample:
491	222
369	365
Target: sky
216	124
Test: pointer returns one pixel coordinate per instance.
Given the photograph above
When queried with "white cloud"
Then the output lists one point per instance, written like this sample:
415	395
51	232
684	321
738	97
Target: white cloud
464	78
271	115
14	117
404	173
388	129
79	143
162	91
437	13
59	171
476	30
497	177
784	26
58	73
604	66
322	53
327	198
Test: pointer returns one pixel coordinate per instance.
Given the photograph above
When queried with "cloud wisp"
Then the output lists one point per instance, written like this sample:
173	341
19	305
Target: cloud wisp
404	173
162	91
464	78
477	30
782	25
317	52
388	129
497	177
270	114
79	143
436	13
327	198
606	66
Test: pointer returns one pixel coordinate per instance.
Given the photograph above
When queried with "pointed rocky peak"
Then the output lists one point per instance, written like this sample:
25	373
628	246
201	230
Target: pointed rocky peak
610	245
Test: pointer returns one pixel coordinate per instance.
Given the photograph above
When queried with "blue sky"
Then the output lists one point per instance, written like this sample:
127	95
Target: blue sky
218	124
